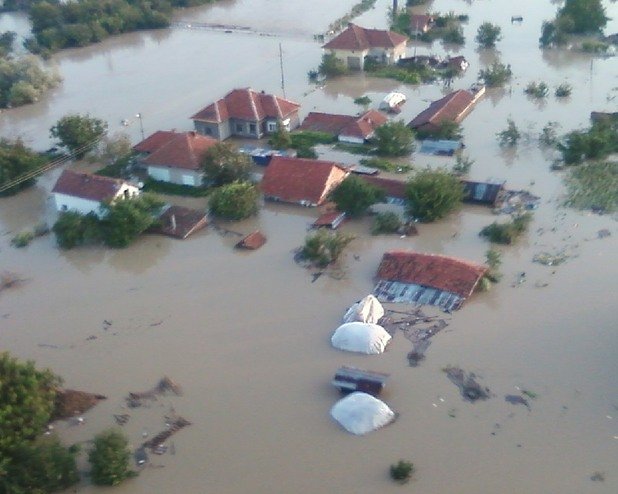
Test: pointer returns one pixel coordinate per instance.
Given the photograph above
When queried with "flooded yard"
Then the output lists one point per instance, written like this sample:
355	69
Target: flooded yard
247	334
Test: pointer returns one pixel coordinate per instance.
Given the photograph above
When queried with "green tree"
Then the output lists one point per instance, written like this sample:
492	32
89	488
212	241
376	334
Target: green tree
510	136
27	397
109	458
40	467
388	222
488	34
446	129
493	259
394	139
354	196
125	219
507	233
73	229
281	137
79	133
584	16
497	74
223	164
16	160
235	201
331	66
363	101
432	194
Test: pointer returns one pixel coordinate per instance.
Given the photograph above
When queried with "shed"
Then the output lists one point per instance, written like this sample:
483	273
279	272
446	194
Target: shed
332	220
253	241
350	379
482	192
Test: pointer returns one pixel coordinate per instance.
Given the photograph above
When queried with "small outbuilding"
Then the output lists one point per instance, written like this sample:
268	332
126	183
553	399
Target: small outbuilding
360	413
332	220
350	379
361	337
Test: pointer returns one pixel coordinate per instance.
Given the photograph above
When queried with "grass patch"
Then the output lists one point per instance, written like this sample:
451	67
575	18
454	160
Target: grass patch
593	186
386	165
22	239
160	187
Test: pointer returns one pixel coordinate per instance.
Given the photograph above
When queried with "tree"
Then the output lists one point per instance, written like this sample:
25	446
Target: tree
109	458
432	194
446	129
235	201
402	471
281	137
462	165
363	101
493	259
507	233
332	66
125	219
388	222
354	196
510	136
497	74
488	34
16	160
584	16
79	133
223	164
73	229
26	401
394	139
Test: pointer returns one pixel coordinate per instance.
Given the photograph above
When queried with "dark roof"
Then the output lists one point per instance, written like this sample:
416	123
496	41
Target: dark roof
180	222
332	219
87	186
361	126
180	150
252	241
299	180
247	104
431	270
154	141
359	38
482	192
451	107
391	187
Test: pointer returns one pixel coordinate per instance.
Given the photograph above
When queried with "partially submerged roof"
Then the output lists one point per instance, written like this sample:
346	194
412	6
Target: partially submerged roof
359	38
247	104
440	147
362	126
451	107
392	188
331	219
420	21
299	180
88	186
432	270
482	192
180	150
253	241
180	222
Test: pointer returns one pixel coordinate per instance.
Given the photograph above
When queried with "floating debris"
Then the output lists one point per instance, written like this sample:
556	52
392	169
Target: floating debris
157	443
140	455
470	389
517	400
70	403
122	419
10	280
549	259
165	385
598	477
604	233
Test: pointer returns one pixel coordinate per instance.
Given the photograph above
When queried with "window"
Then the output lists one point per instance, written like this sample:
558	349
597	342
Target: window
208	131
240	128
252	128
64	207
271	126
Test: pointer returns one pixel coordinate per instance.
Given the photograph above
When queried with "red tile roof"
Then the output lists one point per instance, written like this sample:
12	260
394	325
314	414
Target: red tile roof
180	222
180	150
154	141
390	186
432	270
359	38
252	241
299	180
247	104
452	107
347	125
87	186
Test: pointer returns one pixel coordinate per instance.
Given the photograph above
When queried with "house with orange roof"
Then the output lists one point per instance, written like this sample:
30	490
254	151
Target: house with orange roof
356	43
347	128
301	181
86	193
174	157
246	113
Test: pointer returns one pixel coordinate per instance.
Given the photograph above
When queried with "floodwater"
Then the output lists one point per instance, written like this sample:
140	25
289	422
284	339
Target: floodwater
247	334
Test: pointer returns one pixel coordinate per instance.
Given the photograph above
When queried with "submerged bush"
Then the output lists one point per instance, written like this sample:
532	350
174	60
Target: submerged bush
507	233
563	90
323	247
235	201
388	222
510	136
537	90
109	458
402	471
432	194
497	74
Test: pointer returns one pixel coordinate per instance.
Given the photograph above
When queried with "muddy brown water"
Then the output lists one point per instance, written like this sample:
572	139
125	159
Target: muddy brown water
247	334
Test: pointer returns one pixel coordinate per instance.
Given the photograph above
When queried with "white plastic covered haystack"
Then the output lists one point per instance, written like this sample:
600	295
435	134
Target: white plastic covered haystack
360	337
360	413
368	310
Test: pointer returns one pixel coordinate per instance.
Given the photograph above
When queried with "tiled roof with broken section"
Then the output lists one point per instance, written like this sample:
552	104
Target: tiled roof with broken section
247	104
87	186
299	180
451	107
180	222
182	150
431	270
359	38
253	241
364	126
390	187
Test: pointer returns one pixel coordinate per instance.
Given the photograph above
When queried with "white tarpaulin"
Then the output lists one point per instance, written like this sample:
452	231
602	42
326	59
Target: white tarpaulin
368	309
360	413
360	337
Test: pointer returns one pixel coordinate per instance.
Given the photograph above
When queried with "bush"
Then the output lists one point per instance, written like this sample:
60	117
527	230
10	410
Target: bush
363	101
308	138
73	229
24	80
597	142
446	129
16	160
331	66
281	138
109	458
323	247
124	220
494	261
497	74
549	134
385	165
388	222
454	35
507	233
432	194
354	196
308	153
223	164
22	239
563	90
402	471
509	136
394	139
462	165
488	34
235	201
594	46
535	90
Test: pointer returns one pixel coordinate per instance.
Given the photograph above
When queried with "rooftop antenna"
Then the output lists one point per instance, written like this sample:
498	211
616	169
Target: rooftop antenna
281	65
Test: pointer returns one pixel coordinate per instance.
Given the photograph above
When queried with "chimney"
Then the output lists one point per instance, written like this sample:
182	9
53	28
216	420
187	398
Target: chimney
173	222
192	133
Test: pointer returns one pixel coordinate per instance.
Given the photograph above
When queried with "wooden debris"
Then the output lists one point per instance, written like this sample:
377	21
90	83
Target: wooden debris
156	444
164	386
9	280
70	403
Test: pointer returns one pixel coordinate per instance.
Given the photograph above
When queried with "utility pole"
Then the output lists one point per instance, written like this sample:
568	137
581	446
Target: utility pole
395	8
281	65
141	124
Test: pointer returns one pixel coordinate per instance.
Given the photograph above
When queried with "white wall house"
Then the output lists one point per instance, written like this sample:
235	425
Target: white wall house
85	193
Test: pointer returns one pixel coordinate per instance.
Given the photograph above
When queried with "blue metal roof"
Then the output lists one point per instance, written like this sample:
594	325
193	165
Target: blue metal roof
395	291
440	147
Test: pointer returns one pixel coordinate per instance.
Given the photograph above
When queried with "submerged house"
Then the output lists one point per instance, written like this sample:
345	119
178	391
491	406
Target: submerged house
420	24
356	43
394	190
86	193
431	279
246	113
488	193
453	107
174	157
347	128
180	222
301	181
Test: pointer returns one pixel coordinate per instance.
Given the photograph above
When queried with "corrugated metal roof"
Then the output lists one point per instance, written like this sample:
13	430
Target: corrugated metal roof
397	292
482	192
440	147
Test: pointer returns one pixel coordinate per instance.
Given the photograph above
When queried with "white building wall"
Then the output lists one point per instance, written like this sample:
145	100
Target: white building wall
71	203
161	174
